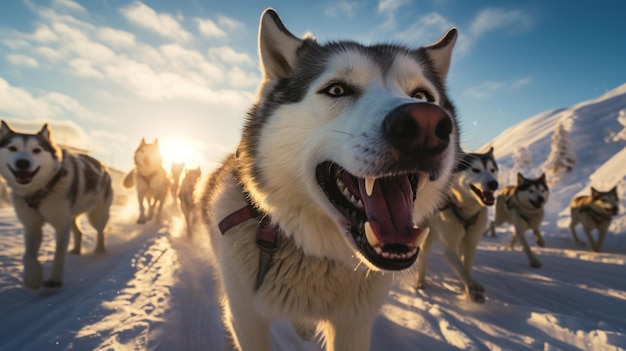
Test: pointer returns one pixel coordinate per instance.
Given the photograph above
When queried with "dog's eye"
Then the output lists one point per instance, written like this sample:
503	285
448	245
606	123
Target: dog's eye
337	90
422	94
475	170
12	148
36	150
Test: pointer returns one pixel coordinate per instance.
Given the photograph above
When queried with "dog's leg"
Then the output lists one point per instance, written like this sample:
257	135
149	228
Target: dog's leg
532	260
348	336
601	235
98	218
33	271
142	216
78	238
62	233
572	228
592	243
513	241
473	289
421	259
248	330
151	206
491	230
538	237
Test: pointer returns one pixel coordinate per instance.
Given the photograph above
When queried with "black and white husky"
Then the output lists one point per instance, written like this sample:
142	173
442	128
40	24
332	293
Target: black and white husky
594	211
461	221
522	206
346	147
51	185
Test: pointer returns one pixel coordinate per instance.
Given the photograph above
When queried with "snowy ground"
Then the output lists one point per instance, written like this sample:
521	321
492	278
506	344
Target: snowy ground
153	290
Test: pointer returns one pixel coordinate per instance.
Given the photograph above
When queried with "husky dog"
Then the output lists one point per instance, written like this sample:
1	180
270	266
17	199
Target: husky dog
346	147
461	221
177	170
51	185
150	178
186	195
594	212
522	206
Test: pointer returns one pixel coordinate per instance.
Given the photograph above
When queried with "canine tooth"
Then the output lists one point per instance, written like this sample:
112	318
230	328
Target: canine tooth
369	185
371	236
422	179
422	237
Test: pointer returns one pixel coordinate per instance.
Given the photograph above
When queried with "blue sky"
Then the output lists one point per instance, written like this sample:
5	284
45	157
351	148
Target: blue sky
104	74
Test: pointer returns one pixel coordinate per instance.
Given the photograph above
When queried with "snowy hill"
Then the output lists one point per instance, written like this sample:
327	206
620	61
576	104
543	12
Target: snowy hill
154	290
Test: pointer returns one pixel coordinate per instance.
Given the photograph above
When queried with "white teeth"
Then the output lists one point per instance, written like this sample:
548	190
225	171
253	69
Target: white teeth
369	185
422	179
371	236
422	237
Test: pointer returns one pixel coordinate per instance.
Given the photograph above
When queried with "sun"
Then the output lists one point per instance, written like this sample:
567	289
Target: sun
176	150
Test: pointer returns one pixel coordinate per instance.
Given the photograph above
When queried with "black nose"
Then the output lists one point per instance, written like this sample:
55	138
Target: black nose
22	164
492	184
418	127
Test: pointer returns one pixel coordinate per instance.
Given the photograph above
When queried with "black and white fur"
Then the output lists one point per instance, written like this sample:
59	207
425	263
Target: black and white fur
346	147
461	221
522	206
52	185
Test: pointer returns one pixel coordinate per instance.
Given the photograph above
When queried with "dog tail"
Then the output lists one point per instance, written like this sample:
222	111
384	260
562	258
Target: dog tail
129	179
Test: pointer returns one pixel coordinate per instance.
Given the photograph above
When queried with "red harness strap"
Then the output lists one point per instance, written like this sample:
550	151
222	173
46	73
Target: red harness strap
266	236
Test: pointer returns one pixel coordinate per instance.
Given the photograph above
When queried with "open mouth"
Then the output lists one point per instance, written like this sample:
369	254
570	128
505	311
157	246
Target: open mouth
536	204
486	196
24	177
380	213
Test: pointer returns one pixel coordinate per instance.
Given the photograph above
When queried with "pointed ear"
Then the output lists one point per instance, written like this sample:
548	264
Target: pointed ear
440	53
614	190
143	141
594	193
520	178
542	178
277	47
490	151
45	132
5	130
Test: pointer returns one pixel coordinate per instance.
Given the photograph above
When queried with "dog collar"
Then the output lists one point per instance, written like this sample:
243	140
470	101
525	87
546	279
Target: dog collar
457	213
266	236
33	200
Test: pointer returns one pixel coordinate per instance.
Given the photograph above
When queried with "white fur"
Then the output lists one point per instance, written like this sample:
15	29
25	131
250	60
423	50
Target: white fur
318	279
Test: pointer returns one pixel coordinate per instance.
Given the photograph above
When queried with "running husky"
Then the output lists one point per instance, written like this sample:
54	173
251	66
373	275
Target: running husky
594	212
460	222
50	184
176	169
151	180
522	206
345	149
186	196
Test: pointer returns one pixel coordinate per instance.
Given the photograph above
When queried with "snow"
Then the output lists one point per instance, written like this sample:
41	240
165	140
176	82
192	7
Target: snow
154	288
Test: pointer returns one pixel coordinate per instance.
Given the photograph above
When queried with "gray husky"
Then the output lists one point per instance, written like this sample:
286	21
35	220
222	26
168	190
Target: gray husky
594	211
346	147
461	220
51	185
522	206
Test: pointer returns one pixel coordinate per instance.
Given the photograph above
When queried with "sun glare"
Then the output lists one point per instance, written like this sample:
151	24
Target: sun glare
176	150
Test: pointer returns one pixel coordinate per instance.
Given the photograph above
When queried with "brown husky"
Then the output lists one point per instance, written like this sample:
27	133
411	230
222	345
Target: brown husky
594	211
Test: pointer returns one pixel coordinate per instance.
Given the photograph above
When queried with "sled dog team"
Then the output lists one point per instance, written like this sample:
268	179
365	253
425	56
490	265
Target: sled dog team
349	167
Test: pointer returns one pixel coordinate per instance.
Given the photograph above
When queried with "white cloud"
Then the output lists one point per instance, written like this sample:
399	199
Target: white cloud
227	54
338	8
22	60
82	67
161	23
68	5
49	53
44	34
491	19
116	38
488	89
425	29
209	29
388	9
230	24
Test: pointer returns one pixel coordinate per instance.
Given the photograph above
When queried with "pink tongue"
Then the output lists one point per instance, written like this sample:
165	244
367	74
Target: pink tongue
390	209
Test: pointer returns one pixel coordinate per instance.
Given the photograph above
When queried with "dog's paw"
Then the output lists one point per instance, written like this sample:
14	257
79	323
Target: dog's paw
52	283
420	286
74	251
33	274
535	263
541	243
476	292
141	221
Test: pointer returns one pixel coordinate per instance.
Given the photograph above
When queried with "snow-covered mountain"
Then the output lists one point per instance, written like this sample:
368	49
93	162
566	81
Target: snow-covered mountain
154	290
